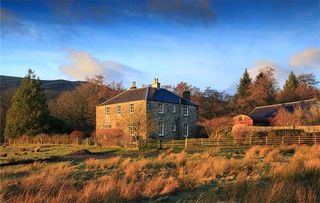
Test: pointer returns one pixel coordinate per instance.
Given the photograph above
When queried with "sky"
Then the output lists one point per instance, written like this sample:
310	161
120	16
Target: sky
202	42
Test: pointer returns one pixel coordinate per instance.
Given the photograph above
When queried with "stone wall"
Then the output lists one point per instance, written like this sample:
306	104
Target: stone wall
169	119
149	111
120	121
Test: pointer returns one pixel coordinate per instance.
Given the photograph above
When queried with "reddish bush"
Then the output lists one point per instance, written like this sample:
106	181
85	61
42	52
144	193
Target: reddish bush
77	137
42	138
239	133
111	137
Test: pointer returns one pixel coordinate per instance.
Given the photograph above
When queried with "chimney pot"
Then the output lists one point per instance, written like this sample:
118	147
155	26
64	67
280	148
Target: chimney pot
156	83
186	95
133	85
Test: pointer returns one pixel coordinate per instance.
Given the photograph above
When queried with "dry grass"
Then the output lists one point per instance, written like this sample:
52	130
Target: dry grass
286	173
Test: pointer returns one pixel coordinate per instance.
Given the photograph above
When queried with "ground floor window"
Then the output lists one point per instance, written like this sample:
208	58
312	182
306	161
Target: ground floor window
131	130
186	130
161	128
107	126
174	127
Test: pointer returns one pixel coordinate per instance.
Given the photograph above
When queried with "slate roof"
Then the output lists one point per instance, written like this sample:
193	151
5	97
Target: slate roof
267	112
149	94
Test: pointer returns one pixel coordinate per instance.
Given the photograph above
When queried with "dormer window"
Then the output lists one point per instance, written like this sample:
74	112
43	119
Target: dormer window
131	108
160	108
185	110
107	111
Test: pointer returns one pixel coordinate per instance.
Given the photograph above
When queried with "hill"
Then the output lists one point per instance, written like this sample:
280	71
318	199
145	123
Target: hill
10	82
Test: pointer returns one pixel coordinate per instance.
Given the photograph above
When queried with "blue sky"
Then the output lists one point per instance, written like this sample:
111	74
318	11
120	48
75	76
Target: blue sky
205	43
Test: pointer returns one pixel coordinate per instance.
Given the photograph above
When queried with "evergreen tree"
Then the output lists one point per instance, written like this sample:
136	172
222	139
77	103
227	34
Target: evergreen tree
291	83
264	88
244	84
28	113
289	92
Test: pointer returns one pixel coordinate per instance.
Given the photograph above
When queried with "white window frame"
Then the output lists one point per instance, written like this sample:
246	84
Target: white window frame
160	108
107	126
174	109
185	110
131	108
185	127
161	129
174	127
118	110
131	130
107	111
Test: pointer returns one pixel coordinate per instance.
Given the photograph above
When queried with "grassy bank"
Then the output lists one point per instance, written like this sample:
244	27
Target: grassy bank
261	174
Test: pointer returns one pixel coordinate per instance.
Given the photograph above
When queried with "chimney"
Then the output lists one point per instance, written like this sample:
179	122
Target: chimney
156	83
186	95
133	85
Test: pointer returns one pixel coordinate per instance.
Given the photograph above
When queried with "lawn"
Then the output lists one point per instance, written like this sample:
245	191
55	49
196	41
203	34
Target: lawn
259	174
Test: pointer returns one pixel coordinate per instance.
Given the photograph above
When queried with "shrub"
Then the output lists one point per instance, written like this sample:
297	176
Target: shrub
111	137
77	137
287	132
239	132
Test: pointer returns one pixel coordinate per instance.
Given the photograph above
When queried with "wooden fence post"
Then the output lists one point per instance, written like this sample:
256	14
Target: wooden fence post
315	138
299	139
201	142
172	143
186	143
266	140
159	144
282	140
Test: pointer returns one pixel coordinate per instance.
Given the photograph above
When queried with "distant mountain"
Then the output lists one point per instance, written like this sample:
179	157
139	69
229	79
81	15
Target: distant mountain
52	88
9	82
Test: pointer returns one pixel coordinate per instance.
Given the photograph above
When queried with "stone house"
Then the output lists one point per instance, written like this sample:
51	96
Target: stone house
151	112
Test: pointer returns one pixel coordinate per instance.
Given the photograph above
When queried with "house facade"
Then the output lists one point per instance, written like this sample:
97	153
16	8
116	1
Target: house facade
151	112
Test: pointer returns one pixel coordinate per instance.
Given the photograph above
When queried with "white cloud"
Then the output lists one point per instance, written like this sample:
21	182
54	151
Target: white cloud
82	64
280	72
308	58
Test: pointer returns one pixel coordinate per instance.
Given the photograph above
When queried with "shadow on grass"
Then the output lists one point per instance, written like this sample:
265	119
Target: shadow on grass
77	156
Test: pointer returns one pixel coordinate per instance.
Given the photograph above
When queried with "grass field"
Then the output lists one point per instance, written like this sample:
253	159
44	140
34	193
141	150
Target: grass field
70	174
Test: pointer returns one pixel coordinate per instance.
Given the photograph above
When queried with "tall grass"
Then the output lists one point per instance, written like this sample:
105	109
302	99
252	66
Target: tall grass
264	174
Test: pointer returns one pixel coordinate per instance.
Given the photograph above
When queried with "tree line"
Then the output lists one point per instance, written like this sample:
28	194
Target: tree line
28	112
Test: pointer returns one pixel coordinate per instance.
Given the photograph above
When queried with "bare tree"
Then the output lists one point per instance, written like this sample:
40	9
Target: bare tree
216	127
138	123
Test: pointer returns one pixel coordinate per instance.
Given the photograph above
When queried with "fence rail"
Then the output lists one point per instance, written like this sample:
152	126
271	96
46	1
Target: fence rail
309	128
245	142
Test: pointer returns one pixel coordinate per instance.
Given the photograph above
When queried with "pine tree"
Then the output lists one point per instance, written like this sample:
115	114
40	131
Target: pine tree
244	84
28	113
264	88
289	92
291	83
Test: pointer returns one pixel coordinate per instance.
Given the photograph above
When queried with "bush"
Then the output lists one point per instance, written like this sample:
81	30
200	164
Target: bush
111	137
77	137
287	132
239	133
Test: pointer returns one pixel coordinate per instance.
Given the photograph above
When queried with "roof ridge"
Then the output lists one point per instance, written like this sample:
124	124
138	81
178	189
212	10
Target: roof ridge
121	94
287	103
114	97
147	93
281	104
